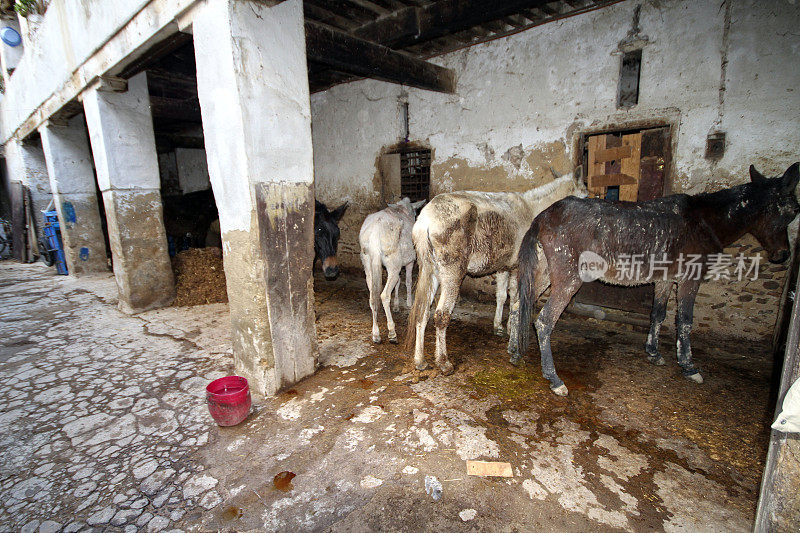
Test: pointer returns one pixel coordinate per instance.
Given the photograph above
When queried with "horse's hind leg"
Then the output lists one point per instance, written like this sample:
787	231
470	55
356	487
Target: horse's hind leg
374	291
441	319
561	292
422	321
657	315
513	314
392	281
409	294
500	297
396	300
687	290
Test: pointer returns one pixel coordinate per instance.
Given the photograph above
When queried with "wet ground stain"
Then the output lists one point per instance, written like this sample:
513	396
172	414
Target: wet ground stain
613	390
283	481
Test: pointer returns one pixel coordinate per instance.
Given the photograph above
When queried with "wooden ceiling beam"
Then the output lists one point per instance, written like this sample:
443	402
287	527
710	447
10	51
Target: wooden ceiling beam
344	8
495	26
414	25
400	26
389	5
175	109
515	21
320	14
532	15
166	142
346	53
375	7
547	10
155	53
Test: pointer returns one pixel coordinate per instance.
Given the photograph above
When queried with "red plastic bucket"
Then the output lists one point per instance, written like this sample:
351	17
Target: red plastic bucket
228	400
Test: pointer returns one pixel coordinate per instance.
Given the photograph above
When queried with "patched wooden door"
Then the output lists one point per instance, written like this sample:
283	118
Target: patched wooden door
614	164
630	167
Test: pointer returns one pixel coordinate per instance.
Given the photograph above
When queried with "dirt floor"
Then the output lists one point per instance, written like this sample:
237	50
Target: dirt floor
647	424
633	447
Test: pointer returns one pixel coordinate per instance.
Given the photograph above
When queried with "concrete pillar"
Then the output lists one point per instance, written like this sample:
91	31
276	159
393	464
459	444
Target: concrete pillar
253	87
26	164
69	165
124	149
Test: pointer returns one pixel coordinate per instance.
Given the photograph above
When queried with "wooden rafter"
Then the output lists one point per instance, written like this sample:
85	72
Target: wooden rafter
345	53
345	9
416	25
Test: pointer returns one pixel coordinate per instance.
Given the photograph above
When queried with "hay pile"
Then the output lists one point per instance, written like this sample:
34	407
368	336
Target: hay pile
199	277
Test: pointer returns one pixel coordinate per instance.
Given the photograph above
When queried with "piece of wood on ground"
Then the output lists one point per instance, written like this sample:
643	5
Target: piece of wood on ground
489	468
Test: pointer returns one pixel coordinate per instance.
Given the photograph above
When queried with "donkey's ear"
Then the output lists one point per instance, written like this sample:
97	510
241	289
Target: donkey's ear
756	176
417	206
319	206
338	213
791	177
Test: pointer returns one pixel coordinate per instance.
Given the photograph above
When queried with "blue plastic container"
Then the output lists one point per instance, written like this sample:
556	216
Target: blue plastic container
52	231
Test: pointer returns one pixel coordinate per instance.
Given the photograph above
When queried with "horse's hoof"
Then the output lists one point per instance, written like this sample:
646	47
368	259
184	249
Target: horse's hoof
446	369
696	377
515	359
500	332
561	390
656	360
393	340
422	366
376	340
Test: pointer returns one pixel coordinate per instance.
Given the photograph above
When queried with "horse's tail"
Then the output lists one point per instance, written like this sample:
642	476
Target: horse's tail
376	271
424	286
371	260
528	263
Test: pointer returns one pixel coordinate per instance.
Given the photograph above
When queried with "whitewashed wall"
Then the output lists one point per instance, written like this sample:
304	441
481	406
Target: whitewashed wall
543	86
77	40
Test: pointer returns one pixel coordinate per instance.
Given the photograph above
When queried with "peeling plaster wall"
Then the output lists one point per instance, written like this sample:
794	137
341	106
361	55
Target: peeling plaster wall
25	163
522	102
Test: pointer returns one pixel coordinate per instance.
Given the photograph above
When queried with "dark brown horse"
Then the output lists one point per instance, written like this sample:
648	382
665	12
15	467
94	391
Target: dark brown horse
579	235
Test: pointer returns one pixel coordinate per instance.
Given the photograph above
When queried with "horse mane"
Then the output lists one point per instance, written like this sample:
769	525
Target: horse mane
727	197
547	189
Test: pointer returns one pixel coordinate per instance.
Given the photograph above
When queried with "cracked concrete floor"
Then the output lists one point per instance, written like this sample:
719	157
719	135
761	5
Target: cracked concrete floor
103	426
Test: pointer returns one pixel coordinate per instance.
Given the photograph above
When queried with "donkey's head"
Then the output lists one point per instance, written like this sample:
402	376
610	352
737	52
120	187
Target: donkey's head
777	195
326	237
413	208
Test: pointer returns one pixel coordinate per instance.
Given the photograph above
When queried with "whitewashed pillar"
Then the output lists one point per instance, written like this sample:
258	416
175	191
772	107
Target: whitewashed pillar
253	86
69	165
124	149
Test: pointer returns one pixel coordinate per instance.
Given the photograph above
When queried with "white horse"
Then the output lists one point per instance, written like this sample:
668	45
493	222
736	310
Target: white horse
476	234
385	240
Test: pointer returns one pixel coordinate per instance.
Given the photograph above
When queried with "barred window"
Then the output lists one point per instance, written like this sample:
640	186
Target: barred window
415	173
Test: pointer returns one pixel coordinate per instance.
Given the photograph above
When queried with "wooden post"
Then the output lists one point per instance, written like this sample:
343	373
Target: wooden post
778	502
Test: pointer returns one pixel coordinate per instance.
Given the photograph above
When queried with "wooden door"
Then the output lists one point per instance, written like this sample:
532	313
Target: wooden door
627	167
18	223
614	166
